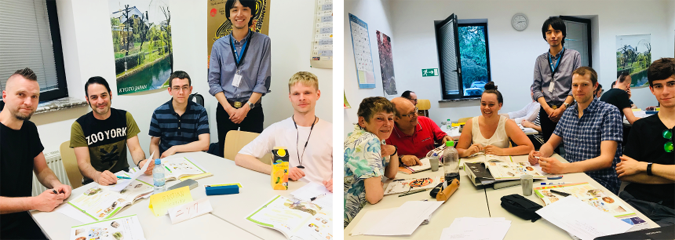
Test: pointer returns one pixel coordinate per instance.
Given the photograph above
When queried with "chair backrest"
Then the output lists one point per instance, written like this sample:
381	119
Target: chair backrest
463	120
423	104
198	98
236	140
70	164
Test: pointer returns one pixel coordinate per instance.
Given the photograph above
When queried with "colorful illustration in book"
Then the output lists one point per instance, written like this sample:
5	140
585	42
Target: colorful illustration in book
421	182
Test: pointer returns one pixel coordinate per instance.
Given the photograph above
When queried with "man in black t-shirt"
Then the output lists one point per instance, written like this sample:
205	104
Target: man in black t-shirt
100	137
20	155
618	96
648	162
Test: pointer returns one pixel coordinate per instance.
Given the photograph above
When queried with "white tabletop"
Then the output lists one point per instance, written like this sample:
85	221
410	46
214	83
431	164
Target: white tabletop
467	201
472	201
227	218
525	229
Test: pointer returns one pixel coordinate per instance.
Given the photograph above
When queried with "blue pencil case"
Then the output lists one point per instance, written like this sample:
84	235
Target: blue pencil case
221	190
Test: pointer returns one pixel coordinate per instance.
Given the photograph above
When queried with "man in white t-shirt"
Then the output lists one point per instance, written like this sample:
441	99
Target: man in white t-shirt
309	140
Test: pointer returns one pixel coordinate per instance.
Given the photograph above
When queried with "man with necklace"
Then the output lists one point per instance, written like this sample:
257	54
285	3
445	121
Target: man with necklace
309	140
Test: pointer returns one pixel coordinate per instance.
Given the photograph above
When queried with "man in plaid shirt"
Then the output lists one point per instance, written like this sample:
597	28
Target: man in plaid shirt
591	131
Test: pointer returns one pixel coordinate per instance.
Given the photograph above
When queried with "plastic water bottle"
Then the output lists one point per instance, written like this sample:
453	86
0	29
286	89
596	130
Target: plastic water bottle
449	124
450	162
158	176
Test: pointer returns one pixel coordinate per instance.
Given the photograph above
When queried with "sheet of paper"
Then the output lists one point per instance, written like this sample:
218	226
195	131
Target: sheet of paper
72	212
161	202
190	210
310	190
369	220
122	183
582	220
404	220
113	229
469	228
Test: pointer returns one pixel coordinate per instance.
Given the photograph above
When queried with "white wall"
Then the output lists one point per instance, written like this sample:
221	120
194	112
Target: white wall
512	53
377	14
88	51
670	7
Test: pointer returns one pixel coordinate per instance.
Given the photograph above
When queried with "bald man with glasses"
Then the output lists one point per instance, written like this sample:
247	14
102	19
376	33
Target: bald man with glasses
413	135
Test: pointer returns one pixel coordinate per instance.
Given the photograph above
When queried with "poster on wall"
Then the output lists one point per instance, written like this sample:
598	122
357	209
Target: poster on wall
322	39
218	26
386	63
634	55
141	31
362	56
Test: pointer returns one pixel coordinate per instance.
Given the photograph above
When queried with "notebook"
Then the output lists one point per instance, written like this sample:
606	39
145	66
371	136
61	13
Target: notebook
417	168
667	232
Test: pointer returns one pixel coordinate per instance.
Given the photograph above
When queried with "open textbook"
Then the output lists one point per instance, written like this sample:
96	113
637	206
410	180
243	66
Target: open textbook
405	185
100	202
295	219
127	228
498	168
586	193
177	167
417	168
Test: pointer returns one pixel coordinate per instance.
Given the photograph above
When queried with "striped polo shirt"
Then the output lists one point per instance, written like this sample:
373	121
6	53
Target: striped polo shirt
173	129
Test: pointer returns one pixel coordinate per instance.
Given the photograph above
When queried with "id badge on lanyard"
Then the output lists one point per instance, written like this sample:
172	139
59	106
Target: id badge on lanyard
554	69
238	59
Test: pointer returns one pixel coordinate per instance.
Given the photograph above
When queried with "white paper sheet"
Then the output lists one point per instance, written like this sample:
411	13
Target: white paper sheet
469	228
369	220
324	198
122	183
190	210
582	220
405	219
72	212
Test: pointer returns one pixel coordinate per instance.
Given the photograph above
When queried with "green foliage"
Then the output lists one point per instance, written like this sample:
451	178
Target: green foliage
473	54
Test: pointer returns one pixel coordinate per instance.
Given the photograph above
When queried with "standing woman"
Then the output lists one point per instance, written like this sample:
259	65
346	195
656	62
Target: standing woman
368	159
491	132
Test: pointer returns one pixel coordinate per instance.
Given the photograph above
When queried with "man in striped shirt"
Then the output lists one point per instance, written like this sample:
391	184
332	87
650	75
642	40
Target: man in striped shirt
179	125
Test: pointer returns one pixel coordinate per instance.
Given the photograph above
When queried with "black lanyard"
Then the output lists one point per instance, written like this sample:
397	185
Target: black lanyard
557	63
297	137
244	49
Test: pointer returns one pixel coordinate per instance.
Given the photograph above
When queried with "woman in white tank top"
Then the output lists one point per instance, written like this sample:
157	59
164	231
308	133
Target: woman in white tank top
490	132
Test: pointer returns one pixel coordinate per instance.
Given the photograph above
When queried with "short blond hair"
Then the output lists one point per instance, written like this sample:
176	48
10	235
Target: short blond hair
306	78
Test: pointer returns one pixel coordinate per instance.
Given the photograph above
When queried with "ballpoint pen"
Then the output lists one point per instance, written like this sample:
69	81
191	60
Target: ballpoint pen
123	177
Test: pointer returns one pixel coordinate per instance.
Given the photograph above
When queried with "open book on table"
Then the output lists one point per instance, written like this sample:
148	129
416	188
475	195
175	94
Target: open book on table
498	168
586	193
113	229
417	168
294	218
411	184
100	202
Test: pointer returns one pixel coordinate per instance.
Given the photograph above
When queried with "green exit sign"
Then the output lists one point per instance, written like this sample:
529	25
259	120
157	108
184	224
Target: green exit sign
429	72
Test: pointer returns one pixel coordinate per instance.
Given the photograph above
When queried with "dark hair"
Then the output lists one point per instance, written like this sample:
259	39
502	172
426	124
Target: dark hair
180	75
622	76
582	71
613	83
490	87
246	3
26	73
661	69
97	80
557	24
406	94
370	106
597	89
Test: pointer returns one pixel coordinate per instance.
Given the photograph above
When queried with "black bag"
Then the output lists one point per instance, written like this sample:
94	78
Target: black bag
521	207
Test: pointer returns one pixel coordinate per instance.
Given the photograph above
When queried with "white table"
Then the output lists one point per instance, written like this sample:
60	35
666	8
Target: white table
227	218
525	229
467	201
472	201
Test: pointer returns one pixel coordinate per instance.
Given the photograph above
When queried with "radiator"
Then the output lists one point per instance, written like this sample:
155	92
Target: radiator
54	162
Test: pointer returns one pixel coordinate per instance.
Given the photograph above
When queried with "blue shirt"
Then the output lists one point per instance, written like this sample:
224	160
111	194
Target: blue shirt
173	129
582	137
255	68
570	61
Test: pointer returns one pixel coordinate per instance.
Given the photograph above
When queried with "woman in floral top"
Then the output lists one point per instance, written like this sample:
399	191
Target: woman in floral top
367	158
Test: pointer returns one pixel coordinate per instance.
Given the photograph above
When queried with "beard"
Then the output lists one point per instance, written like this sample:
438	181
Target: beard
23	117
100	112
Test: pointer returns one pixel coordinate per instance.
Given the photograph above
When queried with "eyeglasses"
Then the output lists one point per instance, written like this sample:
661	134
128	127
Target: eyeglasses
668	146
410	114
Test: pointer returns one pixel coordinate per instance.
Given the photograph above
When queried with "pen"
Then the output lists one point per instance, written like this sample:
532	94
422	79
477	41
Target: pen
317	197
564	194
53	190
412	192
551	183
122	177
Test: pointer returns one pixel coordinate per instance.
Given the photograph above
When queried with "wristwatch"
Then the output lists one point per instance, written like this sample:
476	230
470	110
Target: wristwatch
649	169
395	151
566	104
250	104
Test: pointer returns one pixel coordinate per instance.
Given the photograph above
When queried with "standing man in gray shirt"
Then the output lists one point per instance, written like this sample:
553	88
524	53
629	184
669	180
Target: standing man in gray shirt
239	72
553	75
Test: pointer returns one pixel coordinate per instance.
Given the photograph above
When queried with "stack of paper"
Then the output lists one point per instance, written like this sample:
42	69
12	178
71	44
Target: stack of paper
477	228
404	220
316	193
582	220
